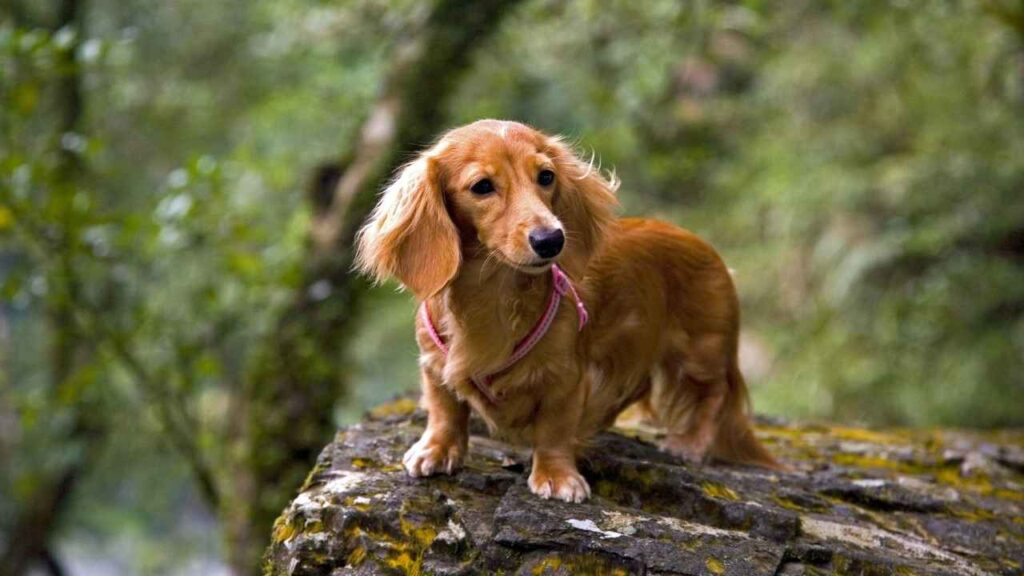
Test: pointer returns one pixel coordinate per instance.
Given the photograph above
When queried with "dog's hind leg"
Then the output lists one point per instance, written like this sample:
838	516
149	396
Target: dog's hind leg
690	438
689	394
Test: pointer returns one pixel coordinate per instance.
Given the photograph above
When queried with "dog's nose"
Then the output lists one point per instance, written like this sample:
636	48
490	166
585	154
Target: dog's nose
547	242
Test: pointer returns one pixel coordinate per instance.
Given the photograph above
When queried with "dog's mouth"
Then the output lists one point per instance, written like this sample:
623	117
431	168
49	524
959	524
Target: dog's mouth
532	267
537	267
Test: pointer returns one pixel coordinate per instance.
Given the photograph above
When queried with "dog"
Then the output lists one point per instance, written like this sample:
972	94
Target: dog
510	241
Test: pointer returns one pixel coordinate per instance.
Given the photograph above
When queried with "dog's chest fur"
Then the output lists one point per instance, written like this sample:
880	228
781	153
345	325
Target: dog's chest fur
482	317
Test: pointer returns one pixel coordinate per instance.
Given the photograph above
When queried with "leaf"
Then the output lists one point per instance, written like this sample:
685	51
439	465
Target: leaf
25	98
6	218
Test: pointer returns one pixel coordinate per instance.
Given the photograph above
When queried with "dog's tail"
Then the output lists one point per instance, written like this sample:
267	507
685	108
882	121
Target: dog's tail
735	441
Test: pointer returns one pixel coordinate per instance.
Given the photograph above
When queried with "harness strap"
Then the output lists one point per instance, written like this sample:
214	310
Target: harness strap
561	286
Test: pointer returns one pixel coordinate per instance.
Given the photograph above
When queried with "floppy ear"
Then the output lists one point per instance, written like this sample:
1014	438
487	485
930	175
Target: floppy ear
585	202
409	235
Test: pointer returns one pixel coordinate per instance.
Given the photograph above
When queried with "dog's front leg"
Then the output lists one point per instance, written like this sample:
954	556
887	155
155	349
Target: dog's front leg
554	473
444	442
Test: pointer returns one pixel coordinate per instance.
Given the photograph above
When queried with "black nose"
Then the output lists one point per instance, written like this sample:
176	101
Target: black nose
547	242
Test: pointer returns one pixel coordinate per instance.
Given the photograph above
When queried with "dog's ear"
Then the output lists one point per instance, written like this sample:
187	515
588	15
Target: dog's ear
585	202
409	235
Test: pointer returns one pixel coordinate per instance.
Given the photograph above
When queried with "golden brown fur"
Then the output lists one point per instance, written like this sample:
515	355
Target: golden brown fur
664	312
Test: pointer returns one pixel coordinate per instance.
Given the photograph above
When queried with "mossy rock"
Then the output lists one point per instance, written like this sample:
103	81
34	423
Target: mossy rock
864	502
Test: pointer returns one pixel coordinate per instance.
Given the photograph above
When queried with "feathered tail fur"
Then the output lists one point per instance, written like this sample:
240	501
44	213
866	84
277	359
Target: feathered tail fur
735	441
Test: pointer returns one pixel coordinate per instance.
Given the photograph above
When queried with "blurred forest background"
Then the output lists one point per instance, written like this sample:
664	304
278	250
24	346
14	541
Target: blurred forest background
180	180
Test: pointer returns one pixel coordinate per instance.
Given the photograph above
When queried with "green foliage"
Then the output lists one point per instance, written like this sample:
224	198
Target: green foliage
182	234
885	171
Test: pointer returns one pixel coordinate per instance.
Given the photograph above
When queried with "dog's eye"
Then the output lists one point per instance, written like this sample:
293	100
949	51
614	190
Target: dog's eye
482	187
545	178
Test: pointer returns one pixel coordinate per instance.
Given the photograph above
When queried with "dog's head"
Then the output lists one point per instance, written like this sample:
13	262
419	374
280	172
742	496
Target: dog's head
491	189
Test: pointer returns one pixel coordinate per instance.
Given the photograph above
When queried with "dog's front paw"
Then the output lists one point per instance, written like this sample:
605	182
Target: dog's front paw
431	455
561	483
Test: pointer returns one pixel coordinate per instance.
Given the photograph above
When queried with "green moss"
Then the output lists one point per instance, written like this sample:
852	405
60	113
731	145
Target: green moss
609	489
645	477
314	474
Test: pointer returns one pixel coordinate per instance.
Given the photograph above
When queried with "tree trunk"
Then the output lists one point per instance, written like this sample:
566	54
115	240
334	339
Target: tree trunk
31	531
299	374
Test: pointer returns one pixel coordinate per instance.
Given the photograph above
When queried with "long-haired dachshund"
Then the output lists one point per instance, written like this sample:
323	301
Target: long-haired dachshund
548	315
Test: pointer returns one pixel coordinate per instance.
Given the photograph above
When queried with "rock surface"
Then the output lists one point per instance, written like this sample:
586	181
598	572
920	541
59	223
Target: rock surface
862	502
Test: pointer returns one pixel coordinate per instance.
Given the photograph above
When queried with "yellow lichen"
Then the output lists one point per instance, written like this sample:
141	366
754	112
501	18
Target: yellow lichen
402	554
283	530
788	503
552	564
973	515
1007	494
422	535
888	438
715	566
356	557
577	564
863	461
980	484
286	528
403	561
720	491
354	502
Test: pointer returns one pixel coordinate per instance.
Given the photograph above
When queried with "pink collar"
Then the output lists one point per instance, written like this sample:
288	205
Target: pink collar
560	286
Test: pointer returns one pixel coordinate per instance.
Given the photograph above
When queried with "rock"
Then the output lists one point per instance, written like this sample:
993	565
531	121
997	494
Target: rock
859	502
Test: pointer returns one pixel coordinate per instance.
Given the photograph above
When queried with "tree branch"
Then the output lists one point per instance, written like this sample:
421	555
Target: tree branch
176	422
90	323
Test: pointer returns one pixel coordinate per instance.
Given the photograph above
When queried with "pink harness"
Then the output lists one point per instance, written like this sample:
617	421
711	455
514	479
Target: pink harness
561	286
